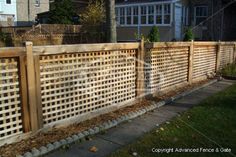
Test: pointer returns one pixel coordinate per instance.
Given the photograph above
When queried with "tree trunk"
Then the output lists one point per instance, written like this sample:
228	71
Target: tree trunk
111	21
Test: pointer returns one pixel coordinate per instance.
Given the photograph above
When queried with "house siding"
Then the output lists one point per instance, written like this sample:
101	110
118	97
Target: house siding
27	11
8	11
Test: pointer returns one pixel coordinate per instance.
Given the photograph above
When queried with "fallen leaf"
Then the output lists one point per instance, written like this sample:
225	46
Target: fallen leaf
93	149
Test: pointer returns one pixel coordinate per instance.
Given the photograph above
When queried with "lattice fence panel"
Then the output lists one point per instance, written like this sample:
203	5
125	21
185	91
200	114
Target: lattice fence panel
79	83
227	53
168	67
204	61
10	104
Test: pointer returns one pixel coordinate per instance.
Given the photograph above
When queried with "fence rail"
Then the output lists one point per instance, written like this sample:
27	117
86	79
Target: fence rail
43	86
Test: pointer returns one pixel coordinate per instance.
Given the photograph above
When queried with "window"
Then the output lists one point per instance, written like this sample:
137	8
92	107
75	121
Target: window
37	3
135	15
122	16
128	15
201	13
143	15
185	15
166	13
150	14
158	14
8	1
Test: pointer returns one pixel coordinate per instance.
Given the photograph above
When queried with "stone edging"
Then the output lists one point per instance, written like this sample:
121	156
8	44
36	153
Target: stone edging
107	125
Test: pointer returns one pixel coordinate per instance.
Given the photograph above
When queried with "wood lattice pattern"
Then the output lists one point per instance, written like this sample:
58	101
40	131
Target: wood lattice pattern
168	67
204	61
227	53
10	103
79	83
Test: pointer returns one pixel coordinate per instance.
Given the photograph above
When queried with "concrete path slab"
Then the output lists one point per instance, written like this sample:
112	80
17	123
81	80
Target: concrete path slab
83	149
128	132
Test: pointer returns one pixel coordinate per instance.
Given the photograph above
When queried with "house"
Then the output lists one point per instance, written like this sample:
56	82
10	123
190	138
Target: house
209	19
213	19
137	17
27	10
79	5
8	13
21	12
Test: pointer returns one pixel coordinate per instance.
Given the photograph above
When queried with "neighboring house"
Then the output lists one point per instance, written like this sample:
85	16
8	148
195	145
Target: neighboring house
79	5
213	19
137	17
27	10
8	13
206	17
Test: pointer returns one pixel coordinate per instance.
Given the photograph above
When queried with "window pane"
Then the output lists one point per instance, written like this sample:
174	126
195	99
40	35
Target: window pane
128	15
159	19
122	16
143	20
167	9
117	15
167	19
143	14
159	14
135	15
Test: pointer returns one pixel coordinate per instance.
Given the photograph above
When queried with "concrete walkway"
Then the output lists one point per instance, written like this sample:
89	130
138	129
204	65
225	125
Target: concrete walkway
126	133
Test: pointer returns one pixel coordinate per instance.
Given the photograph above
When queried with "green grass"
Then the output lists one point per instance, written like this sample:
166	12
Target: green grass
212	124
229	70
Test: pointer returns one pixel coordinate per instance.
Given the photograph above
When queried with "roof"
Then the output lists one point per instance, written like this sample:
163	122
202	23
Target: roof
138	1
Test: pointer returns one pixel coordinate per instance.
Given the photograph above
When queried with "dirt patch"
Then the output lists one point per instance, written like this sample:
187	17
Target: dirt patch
56	134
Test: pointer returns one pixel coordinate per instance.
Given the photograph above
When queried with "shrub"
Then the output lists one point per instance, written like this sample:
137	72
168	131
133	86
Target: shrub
189	36
154	35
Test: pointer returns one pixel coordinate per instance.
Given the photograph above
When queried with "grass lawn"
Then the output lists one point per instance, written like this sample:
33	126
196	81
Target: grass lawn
209	125
229	70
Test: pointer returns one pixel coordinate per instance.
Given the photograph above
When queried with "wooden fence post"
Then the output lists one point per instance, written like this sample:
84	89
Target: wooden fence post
190	65
218	57
140	63
32	88
24	94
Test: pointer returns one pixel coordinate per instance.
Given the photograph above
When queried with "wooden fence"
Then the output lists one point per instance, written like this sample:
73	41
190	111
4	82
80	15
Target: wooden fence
44	86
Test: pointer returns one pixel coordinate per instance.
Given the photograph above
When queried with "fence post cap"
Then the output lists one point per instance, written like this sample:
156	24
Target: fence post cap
28	43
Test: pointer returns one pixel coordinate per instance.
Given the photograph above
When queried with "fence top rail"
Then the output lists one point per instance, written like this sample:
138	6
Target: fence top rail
166	44
61	49
178	44
12	52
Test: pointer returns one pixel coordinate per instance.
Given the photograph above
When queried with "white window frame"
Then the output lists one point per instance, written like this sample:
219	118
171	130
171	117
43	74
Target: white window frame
197	16
147	13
